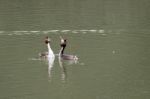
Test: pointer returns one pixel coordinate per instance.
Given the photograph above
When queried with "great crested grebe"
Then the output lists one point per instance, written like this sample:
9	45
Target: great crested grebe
50	53
63	44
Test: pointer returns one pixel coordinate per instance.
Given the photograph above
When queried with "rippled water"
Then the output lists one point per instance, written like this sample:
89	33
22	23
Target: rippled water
112	65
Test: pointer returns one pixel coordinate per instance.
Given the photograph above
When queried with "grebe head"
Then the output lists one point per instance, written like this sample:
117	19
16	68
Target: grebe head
47	40
63	43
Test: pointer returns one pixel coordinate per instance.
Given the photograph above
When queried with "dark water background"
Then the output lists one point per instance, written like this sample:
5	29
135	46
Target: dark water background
110	37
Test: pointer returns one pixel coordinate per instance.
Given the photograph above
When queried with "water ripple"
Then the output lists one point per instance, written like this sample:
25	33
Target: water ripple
66	31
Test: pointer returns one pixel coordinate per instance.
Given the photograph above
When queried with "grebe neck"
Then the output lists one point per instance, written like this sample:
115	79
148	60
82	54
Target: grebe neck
61	52
50	52
48	46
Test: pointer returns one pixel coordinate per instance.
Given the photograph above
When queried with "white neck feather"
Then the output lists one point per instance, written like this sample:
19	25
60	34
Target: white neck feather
60	52
50	52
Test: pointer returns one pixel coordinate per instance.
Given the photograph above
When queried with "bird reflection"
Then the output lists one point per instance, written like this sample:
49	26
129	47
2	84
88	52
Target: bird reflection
50	66
62	64
63	69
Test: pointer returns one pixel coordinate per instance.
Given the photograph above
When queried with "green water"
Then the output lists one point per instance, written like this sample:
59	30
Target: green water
111	39
110	66
74	14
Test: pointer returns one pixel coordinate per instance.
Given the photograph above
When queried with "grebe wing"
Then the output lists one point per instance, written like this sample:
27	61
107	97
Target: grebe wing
69	57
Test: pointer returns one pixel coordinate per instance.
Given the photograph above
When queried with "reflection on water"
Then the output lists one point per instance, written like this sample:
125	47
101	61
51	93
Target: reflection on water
50	62
114	65
50	65
63	69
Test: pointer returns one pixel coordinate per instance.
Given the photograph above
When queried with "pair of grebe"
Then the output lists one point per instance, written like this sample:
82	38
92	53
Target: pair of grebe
61	54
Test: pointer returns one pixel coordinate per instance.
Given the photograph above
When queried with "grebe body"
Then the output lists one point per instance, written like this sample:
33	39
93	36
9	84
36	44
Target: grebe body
63	44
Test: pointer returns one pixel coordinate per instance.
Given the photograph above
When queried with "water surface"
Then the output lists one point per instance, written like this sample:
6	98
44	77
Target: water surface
111	39
111	65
